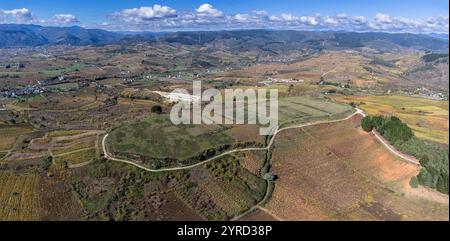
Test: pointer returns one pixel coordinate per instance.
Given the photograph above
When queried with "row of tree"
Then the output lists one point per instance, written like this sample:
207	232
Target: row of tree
433	159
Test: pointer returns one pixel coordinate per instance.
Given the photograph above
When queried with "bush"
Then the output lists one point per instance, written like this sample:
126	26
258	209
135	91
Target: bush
442	183
426	179
366	124
414	182
46	163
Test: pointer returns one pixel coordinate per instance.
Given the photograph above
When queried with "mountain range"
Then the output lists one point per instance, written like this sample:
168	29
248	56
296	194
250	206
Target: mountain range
21	35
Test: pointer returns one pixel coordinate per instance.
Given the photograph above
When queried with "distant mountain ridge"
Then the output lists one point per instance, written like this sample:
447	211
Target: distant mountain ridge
289	39
20	35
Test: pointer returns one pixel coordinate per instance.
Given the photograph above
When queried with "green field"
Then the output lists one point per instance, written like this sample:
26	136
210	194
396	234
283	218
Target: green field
157	137
304	108
59	71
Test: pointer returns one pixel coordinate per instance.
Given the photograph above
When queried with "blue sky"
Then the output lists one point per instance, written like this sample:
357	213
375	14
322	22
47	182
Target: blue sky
363	15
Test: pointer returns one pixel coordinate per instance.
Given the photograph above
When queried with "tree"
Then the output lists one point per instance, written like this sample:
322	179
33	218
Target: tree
424	160
442	183
425	178
366	123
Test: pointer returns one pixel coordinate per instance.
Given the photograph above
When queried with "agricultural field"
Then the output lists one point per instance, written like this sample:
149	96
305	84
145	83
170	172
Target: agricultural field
10	133
67	146
304	108
428	118
58	103
218	190
364	183
77	157
18	196
156	137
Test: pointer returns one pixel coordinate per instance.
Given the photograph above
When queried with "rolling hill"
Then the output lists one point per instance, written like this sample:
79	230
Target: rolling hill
274	41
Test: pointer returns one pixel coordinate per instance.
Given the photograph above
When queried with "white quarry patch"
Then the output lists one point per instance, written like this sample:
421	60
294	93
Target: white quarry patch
175	97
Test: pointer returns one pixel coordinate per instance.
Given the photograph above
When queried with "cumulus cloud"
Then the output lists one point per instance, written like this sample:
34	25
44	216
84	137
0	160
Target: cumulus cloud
384	22
65	19
145	14
309	20
242	17
207	10
21	15
288	17
25	16
207	16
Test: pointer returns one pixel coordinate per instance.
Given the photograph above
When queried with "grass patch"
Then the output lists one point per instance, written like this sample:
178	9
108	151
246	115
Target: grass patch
77	157
157	137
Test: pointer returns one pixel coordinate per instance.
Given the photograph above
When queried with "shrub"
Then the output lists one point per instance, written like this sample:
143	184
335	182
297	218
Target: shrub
366	124
46	163
414	182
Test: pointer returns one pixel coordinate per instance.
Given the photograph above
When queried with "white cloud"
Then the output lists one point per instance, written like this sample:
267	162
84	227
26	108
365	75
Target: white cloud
207	16
330	21
242	17
21	15
207	10
308	20
288	17
383	18
158	17
25	16
65	19
384	22
145	14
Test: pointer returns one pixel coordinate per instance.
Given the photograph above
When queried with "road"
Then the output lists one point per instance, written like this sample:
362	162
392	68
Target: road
395	151
358	112
266	196
110	157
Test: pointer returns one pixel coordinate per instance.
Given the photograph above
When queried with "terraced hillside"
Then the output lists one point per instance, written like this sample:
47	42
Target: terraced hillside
359	178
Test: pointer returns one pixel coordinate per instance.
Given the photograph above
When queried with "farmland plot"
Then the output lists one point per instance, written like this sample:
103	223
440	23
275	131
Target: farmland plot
10	133
322	176
18	197
428	118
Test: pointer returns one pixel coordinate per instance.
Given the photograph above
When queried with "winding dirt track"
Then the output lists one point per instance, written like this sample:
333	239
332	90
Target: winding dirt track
110	157
272	140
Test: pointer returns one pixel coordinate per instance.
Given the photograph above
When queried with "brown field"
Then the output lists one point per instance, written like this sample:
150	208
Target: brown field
174	209
322	176
64	133
251	160
9	135
339	66
18	197
245	133
258	215
60	203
